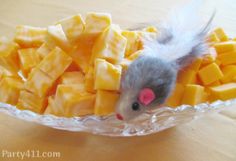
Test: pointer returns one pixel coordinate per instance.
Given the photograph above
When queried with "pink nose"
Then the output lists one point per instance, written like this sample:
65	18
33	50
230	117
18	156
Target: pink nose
119	117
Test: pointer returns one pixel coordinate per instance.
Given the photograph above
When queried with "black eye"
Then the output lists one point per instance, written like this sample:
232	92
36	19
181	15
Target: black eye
135	106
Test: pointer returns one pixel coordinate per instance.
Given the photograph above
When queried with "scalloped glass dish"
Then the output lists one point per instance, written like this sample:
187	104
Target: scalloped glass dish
151	122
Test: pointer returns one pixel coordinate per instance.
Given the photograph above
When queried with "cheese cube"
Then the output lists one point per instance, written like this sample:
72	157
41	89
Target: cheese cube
73	27
72	78
30	101
208	59
110	45
10	89
52	107
56	37
107	75
135	55
213	38
38	82
229	73
28	36
43	50
8	55
227	58
187	76
193	94
89	80
195	65
28	60
216	83
175	98
105	102
224	92
227	46
55	63
210	74
125	64
96	23
221	34
132	42
82	53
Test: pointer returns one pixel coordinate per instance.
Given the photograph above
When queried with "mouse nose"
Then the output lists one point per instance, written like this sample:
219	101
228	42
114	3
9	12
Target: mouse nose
119	117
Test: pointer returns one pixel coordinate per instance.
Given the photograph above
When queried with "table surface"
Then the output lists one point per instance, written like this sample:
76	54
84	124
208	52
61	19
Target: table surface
210	138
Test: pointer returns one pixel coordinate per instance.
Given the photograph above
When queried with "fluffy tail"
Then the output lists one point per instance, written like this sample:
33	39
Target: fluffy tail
182	37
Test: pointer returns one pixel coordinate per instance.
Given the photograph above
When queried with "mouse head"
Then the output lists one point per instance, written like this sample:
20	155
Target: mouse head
146	85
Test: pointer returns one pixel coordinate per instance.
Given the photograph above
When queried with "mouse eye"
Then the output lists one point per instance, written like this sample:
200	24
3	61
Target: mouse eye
135	106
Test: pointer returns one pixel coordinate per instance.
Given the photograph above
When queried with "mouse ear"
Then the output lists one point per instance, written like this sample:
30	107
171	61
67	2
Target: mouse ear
146	96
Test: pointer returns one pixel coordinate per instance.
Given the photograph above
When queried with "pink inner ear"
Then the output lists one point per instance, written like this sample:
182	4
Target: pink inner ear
146	96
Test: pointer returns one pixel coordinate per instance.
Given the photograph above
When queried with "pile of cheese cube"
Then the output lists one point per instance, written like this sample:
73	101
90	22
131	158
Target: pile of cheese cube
74	67
71	68
209	78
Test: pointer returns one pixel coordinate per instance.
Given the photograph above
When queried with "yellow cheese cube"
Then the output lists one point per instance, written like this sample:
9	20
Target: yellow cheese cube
57	37
193	94
224	92
135	55
43	50
28	36
221	34
55	63
4	72
216	83
96	23
213	38
208	59
175	98
72	78
227	58
210	74
8	55
73	27
195	65
229	73
132	42
227	46
73	101
187	76
89	80
38	82
105	102
110	45
52	107
125	64
107	75
10	89
82	53
28	60
30	101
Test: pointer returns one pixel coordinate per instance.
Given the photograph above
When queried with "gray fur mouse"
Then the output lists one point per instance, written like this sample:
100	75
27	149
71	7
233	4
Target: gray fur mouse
150	79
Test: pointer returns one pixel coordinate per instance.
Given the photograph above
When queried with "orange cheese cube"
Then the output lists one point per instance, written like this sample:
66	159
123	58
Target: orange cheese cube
10	89
193	94
227	58
216	83
38	82
227	46
96	23
8	55
28	60
105	102
135	55
72	78
73	27
55	63
28	36
224	92
30	101
208	59
107	75
195	65
187	76
210	74
43	50
221	34
110	45
132	42
229	73
89	80
57	37
175	98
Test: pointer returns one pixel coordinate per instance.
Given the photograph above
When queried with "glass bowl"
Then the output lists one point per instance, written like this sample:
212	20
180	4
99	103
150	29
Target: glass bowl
148	123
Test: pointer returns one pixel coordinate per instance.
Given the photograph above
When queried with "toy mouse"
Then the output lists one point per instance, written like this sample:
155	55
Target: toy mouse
150	79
